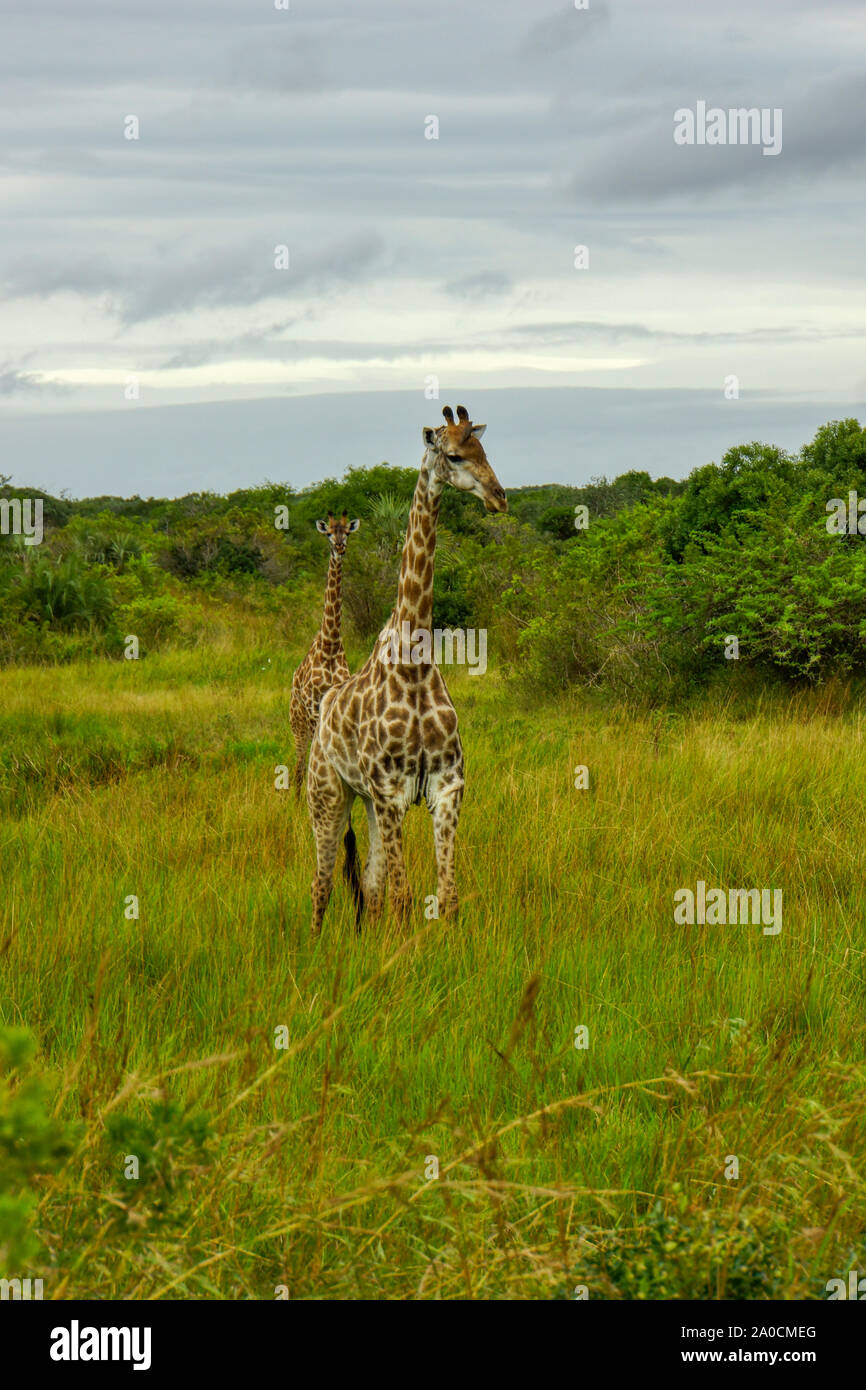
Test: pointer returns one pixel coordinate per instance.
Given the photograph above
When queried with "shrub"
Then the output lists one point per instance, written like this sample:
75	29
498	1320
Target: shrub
153	619
681	1255
65	595
33	1143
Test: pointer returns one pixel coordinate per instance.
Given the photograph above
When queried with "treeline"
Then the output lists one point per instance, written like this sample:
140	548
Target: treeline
664	585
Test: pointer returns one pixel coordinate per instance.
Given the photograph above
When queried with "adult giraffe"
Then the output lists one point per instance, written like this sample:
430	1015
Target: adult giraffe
325	663
389	733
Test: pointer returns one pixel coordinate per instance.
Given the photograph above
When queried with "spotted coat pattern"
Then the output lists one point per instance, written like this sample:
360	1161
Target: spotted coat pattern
325	664
389	733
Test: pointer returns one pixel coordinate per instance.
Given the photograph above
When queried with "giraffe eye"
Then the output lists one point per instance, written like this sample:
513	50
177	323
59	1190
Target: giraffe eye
454	458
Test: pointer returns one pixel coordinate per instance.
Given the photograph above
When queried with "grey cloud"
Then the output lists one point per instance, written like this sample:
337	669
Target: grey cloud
44	275
177	283
265	343
14	382
256	345
569	26
480	285
288	63
235	278
596	331
197	354
821	134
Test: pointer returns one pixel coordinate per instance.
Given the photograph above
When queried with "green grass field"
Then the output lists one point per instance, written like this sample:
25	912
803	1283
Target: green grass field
307	1167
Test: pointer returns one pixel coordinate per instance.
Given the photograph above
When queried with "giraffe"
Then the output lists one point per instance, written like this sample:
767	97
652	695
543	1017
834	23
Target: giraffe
325	663
389	733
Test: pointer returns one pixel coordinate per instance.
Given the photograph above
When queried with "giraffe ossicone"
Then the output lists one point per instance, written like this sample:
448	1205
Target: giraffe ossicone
388	734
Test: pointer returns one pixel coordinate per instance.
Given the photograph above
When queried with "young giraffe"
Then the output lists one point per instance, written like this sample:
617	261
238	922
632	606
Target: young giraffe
325	663
389	733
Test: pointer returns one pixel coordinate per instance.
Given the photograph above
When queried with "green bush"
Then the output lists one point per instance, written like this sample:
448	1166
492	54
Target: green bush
33	1144
171	1145
638	605
153	619
681	1255
66	595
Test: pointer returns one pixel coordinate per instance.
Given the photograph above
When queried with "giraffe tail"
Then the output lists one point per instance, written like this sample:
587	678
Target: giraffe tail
351	872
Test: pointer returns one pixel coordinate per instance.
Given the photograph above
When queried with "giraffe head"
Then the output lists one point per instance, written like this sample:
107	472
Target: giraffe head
337	529
455	455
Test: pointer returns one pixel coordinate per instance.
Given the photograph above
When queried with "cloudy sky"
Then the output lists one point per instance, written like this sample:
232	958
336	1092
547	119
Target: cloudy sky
152	339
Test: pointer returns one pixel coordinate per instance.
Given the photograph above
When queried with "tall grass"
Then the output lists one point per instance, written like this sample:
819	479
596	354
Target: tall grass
307	1167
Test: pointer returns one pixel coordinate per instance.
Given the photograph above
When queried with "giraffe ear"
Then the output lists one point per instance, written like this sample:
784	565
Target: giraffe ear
429	435
478	430
353	525
322	527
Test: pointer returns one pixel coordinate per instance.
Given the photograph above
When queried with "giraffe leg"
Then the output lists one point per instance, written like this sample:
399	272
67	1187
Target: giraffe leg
446	813
330	804
300	765
373	880
302	736
389	815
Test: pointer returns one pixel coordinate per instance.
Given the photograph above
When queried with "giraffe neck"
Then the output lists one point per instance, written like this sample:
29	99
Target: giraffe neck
415	589
329	634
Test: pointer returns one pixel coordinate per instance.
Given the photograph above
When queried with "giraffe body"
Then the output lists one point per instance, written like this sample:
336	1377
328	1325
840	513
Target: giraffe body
389	733
325	664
